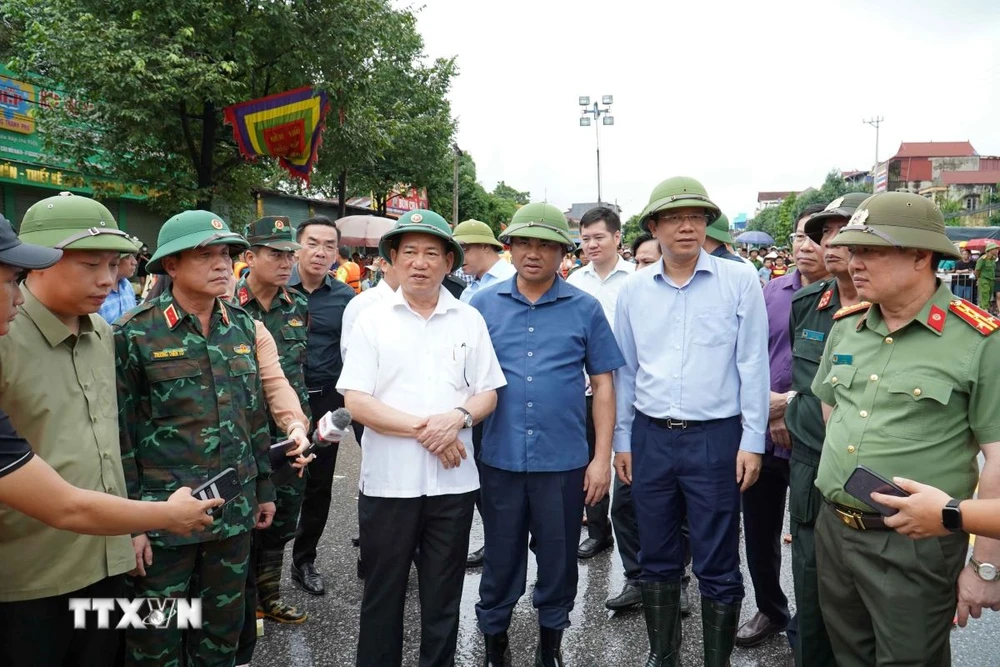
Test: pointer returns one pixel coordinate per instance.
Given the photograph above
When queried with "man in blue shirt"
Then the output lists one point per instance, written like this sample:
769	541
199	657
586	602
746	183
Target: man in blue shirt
692	410
121	299
535	470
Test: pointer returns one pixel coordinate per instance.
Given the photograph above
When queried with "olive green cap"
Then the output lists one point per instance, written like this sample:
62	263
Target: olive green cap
897	219
69	222
991	246
273	231
841	207
421	221
719	230
679	192
539	220
192	229
473	231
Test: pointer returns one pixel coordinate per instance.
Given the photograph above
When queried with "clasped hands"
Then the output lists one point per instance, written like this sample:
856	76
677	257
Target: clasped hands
439	435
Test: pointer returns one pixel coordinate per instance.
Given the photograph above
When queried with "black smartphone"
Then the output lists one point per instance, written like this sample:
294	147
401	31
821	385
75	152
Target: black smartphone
865	481
225	485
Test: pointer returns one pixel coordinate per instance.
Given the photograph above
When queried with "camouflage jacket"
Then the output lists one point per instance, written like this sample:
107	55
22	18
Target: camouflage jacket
287	321
189	408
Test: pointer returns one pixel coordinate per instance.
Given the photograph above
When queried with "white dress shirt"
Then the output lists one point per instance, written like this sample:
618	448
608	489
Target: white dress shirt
358	305
605	290
499	272
422	367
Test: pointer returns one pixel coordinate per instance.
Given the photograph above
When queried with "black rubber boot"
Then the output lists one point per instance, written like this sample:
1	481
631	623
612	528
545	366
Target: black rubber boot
549	651
497	651
719	622
661	605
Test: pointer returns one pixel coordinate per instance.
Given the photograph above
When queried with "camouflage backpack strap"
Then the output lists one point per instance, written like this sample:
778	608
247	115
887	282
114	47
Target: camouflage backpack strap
974	316
850	310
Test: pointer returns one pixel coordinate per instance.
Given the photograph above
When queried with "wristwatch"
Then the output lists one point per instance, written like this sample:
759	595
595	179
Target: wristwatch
986	571
468	417
951	515
790	397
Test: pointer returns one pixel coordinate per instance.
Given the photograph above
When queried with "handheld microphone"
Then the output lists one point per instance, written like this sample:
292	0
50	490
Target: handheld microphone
331	427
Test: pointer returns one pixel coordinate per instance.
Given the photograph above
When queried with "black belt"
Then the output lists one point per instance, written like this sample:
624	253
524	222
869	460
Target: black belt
852	518
682	424
322	391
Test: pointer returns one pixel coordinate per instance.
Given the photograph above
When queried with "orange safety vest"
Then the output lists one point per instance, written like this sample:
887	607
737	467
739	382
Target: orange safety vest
350	273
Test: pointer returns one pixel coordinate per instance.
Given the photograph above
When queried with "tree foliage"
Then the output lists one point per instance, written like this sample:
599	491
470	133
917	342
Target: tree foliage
630	230
779	221
495	208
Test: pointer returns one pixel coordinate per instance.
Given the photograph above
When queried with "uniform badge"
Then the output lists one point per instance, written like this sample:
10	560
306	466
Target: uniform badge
850	310
809	334
835	204
244	296
842	359
295	322
975	317
936	319
416	217
859	217
825	300
217	223
279	224
241	349
171	316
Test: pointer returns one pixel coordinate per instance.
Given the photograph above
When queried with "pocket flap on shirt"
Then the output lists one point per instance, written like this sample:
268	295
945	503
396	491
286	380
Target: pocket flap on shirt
162	371
841	376
241	365
919	387
171	479
293	333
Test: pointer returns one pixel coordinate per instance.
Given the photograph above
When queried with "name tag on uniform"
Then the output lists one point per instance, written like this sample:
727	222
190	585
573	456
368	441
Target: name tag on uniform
842	358
170	353
809	334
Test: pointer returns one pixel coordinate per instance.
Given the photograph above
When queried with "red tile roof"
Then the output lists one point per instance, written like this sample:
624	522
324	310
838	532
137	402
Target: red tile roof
981	177
935	149
773	196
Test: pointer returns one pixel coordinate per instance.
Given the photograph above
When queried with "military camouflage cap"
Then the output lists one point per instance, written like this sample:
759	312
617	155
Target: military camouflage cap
897	220
192	229
841	207
69	222
273	231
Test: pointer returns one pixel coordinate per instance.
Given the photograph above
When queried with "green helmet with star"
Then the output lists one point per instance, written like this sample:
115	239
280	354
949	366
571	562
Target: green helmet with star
189	230
421	221
899	220
71	222
539	220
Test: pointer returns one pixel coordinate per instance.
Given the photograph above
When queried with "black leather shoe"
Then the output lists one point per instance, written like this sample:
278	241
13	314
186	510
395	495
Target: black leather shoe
685	600
592	546
756	630
549	651
475	559
631	596
497	650
308	579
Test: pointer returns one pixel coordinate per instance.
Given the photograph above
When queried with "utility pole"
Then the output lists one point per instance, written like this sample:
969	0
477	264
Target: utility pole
454	192
599	114
875	122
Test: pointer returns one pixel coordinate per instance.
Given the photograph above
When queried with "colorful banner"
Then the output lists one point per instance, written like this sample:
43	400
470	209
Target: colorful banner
406	199
288	126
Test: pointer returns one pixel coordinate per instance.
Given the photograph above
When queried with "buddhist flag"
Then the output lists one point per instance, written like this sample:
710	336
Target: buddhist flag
288	126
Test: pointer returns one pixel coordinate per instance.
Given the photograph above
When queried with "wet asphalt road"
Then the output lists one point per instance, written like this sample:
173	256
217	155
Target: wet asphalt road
597	637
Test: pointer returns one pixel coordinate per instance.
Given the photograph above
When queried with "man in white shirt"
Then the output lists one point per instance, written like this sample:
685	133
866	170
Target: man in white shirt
366	300
421	371
482	257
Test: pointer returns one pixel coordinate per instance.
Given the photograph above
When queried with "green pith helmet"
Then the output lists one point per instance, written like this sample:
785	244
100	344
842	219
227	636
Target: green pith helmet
192	229
473	231
69	222
539	220
679	192
992	246
421	221
841	207
719	230
273	231
897	219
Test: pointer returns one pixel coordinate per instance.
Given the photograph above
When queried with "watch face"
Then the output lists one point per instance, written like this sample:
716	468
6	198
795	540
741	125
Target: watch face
987	571
951	517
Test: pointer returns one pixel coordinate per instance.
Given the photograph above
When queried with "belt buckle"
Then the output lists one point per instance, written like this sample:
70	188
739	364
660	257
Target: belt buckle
676	423
850	519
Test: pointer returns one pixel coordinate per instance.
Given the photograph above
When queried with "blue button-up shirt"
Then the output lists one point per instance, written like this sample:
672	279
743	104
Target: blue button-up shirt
695	351
119	301
543	348
499	272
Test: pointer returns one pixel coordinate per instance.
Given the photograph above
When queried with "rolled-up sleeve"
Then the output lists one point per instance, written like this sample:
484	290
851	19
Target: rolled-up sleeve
281	399
752	365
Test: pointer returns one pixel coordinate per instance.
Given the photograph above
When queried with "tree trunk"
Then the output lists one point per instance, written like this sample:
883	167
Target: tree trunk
342	194
205	166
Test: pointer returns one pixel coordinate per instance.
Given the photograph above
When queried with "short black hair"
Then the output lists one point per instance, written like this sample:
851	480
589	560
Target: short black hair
578	252
316	220
639	240
343	250
598	213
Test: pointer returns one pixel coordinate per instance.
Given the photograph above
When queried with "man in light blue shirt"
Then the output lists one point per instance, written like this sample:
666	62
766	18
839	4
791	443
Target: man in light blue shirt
121	299
482	257
692	408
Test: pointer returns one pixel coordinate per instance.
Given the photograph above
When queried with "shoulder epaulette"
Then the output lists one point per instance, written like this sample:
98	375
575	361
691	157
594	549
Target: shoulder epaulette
850	310
811	290
974	316
127	317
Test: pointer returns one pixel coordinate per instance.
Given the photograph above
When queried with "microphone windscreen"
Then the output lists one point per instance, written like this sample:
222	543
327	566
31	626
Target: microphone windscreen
341	418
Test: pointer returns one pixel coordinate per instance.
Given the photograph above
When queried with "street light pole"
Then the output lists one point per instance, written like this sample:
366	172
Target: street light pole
454	192
875	122
599	114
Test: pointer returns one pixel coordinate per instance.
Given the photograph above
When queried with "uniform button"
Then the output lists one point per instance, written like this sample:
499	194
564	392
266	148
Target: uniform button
676	375
528	378
888	341
917	392
833	380
873	378
532	307
864	413
530	432
677	347
531	354
531	405
531	329
850	449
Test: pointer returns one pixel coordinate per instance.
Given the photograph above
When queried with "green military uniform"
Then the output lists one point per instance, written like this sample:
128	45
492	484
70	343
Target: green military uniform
912	402
191	406
285	317
986	270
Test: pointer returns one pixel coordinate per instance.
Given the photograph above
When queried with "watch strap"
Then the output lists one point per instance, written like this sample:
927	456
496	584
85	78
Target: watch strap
951	515
468	417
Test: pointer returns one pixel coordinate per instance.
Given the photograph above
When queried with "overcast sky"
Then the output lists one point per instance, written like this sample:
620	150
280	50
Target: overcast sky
744	96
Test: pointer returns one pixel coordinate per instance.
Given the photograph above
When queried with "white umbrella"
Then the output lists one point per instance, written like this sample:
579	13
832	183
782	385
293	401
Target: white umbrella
363	230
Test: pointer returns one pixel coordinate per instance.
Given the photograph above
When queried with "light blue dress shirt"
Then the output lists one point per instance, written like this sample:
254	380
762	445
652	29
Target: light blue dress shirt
499	272
696	351
120	301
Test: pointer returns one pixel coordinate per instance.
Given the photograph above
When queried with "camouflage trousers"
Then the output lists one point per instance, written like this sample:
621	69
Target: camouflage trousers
287	502
214	571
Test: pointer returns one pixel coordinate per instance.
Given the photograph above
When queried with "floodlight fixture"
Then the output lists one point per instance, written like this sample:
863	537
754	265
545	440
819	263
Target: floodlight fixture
609	120
584	100
584	121
608	99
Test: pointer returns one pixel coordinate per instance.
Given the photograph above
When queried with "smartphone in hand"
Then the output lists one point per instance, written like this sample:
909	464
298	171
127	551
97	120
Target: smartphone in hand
864	481
225	485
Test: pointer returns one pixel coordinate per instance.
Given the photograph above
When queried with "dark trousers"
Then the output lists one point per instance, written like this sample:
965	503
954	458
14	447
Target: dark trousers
391	529
598	523
549	506
763	519
692	469
319	483
40	633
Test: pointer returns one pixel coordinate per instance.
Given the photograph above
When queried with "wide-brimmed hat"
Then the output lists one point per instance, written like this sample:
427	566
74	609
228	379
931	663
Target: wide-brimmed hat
421	221
899	220
192	229
679	192
471	232
539	220
69	222
841	207
273	231
20	255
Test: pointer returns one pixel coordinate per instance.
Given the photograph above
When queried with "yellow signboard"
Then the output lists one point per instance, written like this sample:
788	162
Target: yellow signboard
16	101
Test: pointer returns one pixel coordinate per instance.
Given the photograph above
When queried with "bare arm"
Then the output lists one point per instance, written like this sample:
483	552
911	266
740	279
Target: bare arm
827	411
278	393
974	594
379	417
481	405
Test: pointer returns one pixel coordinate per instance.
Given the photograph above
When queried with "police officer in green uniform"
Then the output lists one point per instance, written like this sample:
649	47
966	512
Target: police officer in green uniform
986	273
283	310
191	407
813	307
909	388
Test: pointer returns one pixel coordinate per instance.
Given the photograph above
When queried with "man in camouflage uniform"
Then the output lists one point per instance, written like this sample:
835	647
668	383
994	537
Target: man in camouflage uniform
284	311
191	406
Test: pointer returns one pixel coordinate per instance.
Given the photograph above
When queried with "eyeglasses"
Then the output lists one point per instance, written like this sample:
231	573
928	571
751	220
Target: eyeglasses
797	238
692	218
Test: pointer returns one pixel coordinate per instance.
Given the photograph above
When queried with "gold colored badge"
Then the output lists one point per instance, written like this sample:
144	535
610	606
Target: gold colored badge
218	223
416	217
241	349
